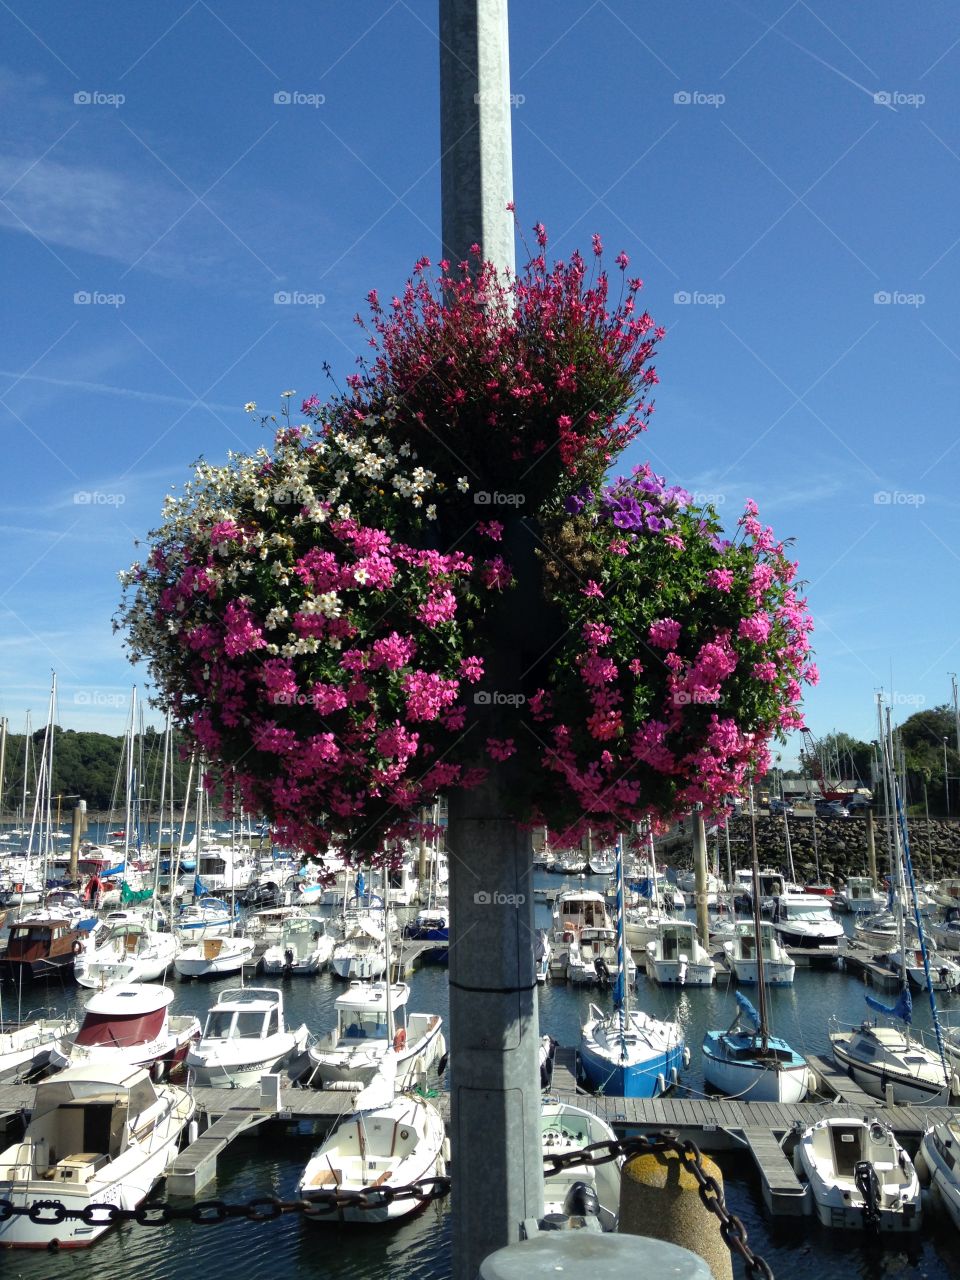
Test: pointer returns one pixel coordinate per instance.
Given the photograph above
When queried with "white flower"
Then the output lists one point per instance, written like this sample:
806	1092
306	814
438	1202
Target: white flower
431	511
343	511
285	395
250	406
361	575
463	484
404	451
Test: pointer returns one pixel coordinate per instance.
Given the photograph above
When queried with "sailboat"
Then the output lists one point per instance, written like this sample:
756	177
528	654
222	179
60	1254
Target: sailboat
628	1054
886	1059
746	1061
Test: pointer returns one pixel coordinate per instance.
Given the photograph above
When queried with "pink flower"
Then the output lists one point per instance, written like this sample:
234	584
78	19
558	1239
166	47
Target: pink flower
501	748
496	574
492	529
618	547
755	628
592	590
665	633
720	579
472	669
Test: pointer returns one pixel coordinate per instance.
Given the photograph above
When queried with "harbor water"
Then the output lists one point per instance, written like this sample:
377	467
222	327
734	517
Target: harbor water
269	1160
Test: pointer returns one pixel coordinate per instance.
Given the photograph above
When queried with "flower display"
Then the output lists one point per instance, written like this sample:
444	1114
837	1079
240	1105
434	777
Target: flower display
316	614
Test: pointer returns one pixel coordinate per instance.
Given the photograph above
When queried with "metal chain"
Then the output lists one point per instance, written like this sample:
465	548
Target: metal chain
732	1229
269	1208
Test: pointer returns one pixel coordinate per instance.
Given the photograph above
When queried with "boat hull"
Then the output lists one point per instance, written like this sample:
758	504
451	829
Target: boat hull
648	1079
876	1080
753	1082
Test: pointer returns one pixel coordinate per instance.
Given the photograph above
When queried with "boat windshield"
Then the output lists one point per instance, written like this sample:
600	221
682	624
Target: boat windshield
355	1024
243	1024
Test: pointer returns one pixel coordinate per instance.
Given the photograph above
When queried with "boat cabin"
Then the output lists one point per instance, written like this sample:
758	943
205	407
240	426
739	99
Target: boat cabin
250	1013
37	946
677	938
746	940
860	889
362	1011
125	1015
583	909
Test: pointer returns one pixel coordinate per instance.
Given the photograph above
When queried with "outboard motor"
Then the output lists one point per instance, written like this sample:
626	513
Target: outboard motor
602	971
288	958
868	1184
581	1201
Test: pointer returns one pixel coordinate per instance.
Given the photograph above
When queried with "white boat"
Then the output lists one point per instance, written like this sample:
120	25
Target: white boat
592	958
131	1025
128	951
740	956
882	1058
859	895
25	1046
215	957
805	920
881	931
266	926
944	972
542	953
566	1128
368	1027
98	1135
304	947
747	1063
387	1141
859	1176
940	1153
206	918
244	1037
676	957
362	952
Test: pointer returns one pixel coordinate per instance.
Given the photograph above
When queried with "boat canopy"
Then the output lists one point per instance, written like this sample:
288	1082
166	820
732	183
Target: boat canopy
102	1082
748	1009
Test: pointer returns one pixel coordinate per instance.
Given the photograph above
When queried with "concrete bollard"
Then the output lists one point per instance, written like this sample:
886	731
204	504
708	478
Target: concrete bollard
659	1197
591	1253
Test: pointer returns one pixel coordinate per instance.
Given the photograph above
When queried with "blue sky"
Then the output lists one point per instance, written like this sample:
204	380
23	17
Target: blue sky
796	233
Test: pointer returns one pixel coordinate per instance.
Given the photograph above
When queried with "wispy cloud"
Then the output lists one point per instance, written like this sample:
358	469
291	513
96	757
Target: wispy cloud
135	393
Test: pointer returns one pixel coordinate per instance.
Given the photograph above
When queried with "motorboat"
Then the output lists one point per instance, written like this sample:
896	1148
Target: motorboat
127	951
565	1128
431	924
39	947
130	1024
740	955
243	1038
99	1134
944	972
592	958
542	951
859	1176
881	931
387	1141
372	1020
361	953
747	1063
25	1046
601	862
805	920
304	947
205	918
215	957
939	1158
859	895
676	957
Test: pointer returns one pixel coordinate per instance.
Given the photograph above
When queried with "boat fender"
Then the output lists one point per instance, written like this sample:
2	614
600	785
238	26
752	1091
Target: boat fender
156	1071
77	947
193	1131
686	1055
955	1085
674	1076
661	1085
400	1040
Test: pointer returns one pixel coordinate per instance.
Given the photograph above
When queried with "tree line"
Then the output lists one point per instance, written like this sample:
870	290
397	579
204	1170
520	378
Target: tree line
90	766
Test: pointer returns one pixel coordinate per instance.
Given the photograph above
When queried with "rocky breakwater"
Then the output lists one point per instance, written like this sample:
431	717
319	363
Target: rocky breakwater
841	846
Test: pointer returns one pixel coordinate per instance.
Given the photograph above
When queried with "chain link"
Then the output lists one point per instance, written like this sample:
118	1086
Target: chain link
268	1208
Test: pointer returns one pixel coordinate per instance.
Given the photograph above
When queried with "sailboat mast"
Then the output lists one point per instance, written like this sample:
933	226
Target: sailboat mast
758	934
623	1004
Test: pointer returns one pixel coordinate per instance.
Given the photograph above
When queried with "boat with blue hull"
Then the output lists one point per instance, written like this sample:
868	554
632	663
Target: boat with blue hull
627	1053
